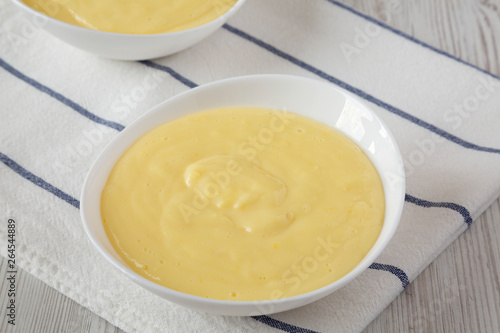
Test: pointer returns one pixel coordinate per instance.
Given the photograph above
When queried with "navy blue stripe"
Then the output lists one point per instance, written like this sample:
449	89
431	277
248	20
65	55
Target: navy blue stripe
410	38
282	325
170	71
394	270
360	92
38	181
424	203
60	97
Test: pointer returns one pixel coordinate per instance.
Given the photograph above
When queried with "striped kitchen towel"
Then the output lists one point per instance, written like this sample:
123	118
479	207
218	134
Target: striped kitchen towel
60	106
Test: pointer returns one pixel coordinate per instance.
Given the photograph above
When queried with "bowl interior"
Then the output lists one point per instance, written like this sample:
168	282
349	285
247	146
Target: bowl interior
315	99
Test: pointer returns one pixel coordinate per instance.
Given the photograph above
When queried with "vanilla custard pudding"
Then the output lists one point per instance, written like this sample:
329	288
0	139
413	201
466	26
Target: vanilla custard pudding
134	16
243	203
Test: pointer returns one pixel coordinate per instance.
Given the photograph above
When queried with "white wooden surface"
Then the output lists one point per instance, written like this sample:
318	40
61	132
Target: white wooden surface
458	292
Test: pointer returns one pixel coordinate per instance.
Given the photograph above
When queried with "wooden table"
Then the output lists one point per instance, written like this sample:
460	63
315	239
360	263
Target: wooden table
458	292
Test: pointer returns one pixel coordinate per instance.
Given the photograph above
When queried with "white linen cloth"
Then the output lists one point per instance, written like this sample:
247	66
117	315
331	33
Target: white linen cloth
60	106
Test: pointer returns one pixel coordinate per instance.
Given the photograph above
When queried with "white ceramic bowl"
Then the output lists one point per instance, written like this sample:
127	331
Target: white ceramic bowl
125	46
315	99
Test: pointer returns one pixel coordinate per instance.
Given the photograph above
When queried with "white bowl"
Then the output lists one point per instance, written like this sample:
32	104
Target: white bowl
315	99
126	46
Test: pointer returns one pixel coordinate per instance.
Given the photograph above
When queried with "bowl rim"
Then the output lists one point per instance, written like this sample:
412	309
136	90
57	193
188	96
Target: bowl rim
311	296
219	20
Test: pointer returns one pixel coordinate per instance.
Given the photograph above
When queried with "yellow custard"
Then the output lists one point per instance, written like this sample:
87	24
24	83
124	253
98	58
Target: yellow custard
243	203
133	16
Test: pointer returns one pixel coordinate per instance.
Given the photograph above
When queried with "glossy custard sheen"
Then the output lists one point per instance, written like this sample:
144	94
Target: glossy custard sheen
243	203
133	16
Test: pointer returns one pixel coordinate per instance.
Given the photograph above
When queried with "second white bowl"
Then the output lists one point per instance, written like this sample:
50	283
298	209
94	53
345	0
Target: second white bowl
126	46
